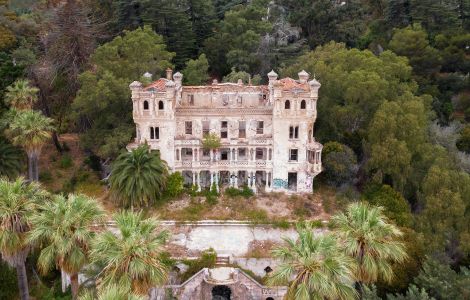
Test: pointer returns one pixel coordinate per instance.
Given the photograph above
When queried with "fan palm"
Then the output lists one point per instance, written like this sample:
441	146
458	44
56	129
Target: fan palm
138	177
11	160
64	228
371	240
133	257
20	95
112	292
30	130
18	202
320	267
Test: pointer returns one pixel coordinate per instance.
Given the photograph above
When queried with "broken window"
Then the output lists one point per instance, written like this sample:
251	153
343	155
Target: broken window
224	154
241	129
303	104
146	105
260	127
259	153
223	129
241	152
188	127
161	106
293	154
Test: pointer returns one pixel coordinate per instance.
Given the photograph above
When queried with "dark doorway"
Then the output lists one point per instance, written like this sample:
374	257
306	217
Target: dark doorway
292	181
221	292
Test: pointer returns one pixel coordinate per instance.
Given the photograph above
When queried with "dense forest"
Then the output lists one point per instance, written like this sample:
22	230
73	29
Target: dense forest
393	110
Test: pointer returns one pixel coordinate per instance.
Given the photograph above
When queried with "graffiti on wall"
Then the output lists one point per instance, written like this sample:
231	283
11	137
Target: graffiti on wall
279	183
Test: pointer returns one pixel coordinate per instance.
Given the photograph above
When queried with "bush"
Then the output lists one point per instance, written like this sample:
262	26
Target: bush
93	161
174	185
258	216
207	260
340	163
282	224
245	192
65	161
8	284
45	176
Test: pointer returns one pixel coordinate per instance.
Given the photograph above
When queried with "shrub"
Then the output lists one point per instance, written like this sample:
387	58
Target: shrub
281	223
207	260
232	192
45	176
65	161
258	216
245	192
174	185
211	199
211	141
93	161
8	284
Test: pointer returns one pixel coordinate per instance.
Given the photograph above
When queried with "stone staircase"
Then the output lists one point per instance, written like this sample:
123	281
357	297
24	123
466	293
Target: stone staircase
222	260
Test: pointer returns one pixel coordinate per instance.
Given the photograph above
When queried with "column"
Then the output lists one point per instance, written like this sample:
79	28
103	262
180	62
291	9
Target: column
199	181
249	178
194	154
253	181
217	180
212	180
194	178
211	154
235	184
231	179
236	154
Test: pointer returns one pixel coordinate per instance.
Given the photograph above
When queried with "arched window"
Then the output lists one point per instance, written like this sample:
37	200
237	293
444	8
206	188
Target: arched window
303	104
152	133
146	105
160	105
287	104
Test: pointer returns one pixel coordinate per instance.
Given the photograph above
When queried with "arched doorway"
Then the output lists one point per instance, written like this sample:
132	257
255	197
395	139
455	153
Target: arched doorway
221	292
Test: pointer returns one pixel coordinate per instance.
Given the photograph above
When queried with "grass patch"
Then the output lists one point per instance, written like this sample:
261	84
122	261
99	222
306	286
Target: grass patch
207	260
65	161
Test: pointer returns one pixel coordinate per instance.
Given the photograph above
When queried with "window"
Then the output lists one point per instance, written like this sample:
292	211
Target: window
293	154
223	130
154	133
191	100
224	154
161	106
205	128
239	99
259	153
188	127
260	127
241	129
241	152
303	104
293	132
287	104
146	105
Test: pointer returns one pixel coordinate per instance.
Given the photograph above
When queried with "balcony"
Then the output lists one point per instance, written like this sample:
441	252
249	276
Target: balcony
224	164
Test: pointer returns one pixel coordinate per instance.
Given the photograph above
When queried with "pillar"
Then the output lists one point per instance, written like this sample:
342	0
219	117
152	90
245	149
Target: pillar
194	178
198	181
235	183
217	180
236	154
253	181
212	180
211	153
231	179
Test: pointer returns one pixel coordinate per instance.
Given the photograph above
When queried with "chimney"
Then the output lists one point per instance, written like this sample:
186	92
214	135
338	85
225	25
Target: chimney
169	73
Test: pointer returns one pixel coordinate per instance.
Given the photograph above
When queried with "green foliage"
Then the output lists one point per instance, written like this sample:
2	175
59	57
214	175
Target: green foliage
138	178
196	71
441	282
174	185
340	163
104	94
413	43
319	265
11	160
207	260
20	95
237	38
8	284
463	144
211	141
234	76
244	192
133	258
65	161
396	207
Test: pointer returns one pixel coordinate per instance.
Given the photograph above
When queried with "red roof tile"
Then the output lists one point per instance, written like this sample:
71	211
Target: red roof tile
289	84
158	85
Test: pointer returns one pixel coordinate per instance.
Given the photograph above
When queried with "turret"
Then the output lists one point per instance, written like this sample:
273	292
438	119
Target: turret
314	87
272	79
178	79
303	76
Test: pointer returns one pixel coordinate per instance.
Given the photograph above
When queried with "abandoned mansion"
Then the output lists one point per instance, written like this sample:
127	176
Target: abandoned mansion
265	131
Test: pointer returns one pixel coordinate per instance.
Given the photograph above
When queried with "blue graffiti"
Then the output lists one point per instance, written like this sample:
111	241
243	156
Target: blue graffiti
279	183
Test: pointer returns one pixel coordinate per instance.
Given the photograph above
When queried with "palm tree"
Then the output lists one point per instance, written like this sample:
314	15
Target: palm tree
369	238
11	160
132	258
112	292
320	267
30	130
18	202
20	95
138	177
64	227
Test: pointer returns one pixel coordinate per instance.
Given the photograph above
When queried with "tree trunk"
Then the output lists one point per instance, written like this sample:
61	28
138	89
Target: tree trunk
56	141
74	285
22	280
33	173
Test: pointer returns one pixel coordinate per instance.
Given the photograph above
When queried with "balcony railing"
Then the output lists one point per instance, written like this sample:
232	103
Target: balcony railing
224	164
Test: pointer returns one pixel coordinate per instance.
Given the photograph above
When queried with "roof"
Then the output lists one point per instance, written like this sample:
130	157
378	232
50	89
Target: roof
290	84
157	85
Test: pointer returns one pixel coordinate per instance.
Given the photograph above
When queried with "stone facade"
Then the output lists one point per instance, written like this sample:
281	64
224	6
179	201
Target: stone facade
266	131
223	283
